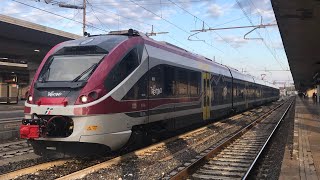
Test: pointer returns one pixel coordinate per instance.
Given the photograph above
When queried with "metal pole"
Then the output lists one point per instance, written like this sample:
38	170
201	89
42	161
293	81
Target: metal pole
84	17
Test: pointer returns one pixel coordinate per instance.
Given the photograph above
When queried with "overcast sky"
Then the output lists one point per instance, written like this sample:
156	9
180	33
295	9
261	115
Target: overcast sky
178	17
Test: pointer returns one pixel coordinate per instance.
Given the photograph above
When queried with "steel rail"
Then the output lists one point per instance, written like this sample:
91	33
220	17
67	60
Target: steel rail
94	168
184	173
11	121
82	173
267	141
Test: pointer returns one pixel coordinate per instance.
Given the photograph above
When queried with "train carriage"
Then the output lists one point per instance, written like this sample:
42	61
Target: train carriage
96	92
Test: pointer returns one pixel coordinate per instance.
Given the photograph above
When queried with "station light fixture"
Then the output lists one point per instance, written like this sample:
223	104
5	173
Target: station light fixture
4	58
36	50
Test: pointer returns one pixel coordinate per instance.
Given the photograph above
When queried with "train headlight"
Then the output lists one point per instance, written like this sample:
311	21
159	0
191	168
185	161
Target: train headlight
30	98
84	99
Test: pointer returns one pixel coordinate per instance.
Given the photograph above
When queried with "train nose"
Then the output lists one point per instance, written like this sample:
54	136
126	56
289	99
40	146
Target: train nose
48	97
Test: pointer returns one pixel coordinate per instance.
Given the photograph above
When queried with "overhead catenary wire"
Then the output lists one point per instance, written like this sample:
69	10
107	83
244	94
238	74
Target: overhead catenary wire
142	22
95	15
224	40
237	19
265	44
74	16
117	14
103	11
176	26
266	30
156	3
43	10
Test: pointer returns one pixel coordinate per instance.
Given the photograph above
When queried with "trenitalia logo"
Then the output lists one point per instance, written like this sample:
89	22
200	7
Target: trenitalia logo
54	94
48	111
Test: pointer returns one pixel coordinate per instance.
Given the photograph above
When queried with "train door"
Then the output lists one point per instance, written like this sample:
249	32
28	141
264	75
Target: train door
206	97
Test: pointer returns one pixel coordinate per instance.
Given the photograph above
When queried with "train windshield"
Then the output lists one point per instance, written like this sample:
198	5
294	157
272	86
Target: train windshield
69	68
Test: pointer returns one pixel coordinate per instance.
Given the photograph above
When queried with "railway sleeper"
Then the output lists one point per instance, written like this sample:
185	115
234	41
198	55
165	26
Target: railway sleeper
228	168
204	176
221	172
252	138
231	160
228	153
259	140
247	146
236	156
234	164
233	151
241	149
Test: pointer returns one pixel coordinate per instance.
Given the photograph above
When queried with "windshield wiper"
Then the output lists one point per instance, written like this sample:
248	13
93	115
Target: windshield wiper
45	75
85	72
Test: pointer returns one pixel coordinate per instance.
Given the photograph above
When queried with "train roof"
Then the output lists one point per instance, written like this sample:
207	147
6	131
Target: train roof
110	40
95	44
222	69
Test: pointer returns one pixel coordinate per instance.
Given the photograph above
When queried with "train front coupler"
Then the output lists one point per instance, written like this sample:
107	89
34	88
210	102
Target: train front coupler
56	126
32	128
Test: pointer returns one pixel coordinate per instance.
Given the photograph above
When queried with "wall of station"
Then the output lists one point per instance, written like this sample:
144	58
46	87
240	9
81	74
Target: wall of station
14	81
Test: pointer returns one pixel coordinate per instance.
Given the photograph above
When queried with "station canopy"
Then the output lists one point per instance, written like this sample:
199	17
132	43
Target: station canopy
299	24
25	41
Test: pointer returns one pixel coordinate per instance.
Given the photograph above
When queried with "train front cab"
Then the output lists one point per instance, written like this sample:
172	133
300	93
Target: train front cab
95	127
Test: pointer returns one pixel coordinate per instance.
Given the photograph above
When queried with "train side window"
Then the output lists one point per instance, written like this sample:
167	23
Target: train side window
139	90
122	69
235	90
169	81
226	90
182	82
195	83
216	85
156	82
229	91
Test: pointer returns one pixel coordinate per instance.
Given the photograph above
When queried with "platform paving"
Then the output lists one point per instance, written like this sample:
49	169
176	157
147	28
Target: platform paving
302	161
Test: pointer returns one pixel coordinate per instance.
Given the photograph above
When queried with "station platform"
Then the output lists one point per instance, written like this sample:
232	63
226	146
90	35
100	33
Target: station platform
302	159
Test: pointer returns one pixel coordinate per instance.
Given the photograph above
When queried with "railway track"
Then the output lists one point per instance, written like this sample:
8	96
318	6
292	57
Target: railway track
235	157
161	153
10	124
18	148
9	128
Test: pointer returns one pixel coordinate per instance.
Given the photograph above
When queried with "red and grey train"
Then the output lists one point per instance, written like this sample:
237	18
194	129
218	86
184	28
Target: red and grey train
98	91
